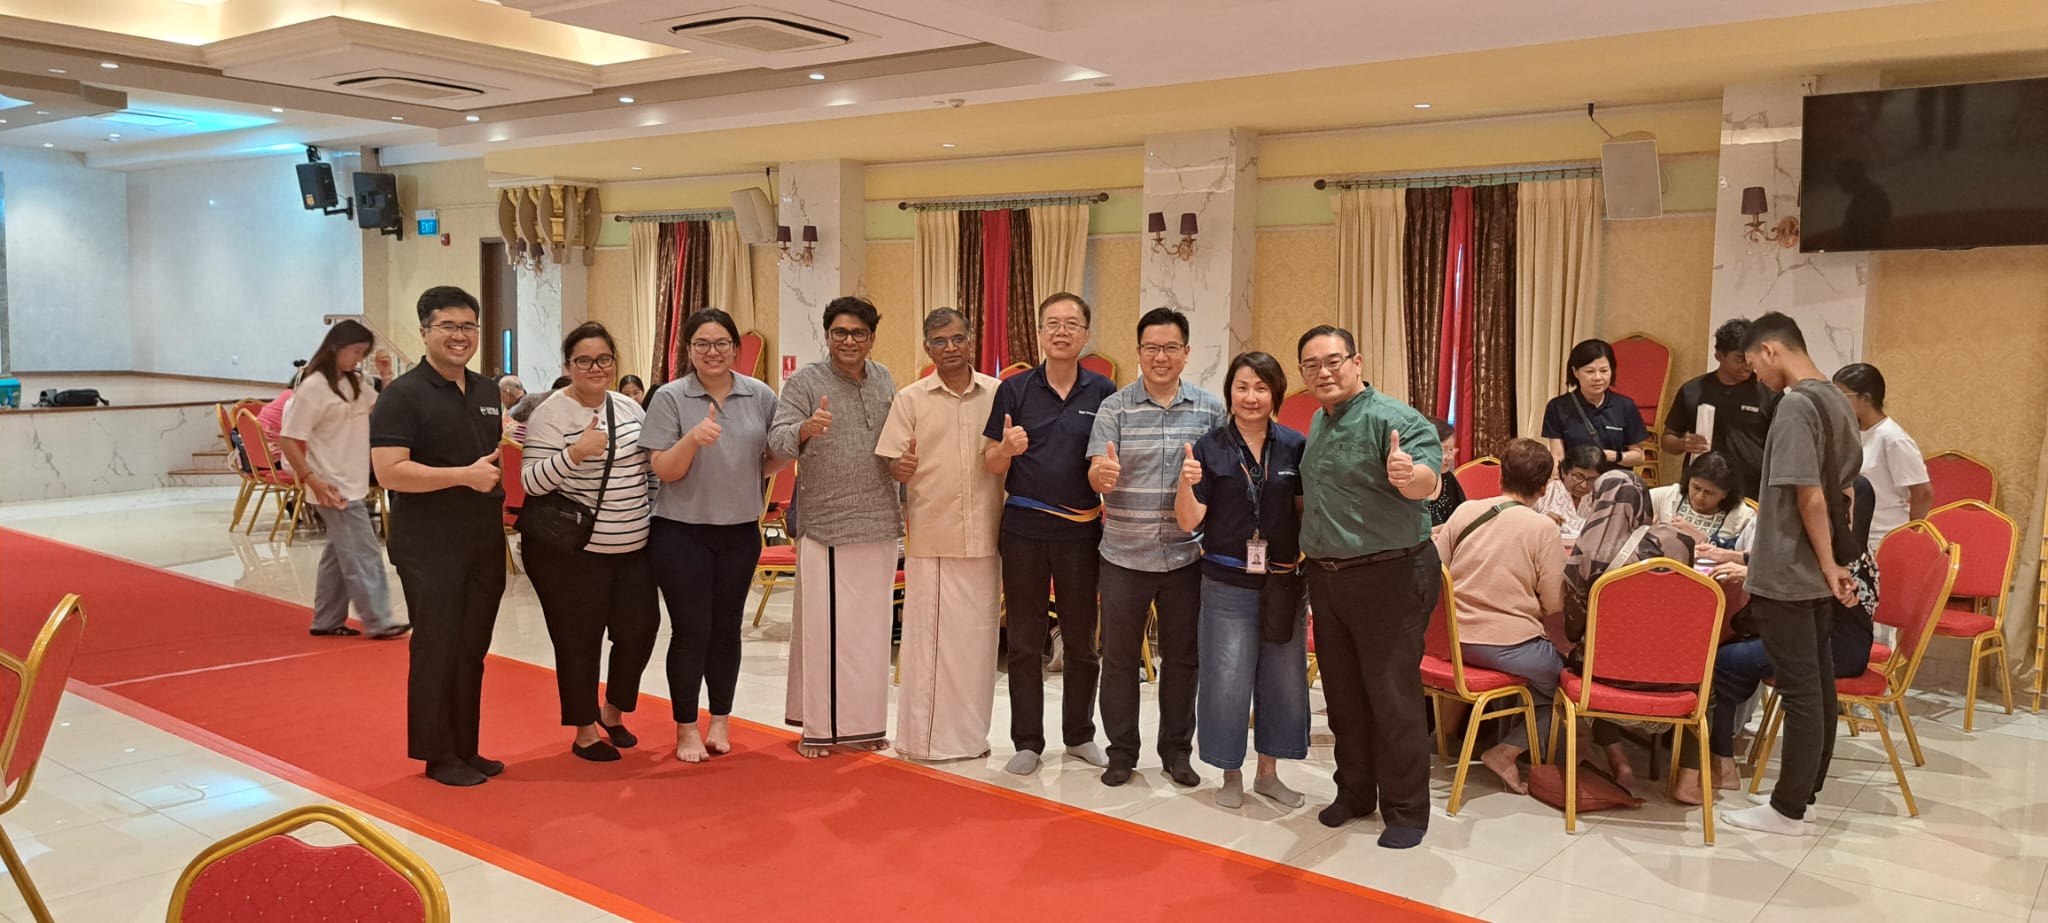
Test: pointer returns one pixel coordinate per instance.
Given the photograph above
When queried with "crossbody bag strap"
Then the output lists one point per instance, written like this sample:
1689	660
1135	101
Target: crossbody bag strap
1579	404
1483	519
611	444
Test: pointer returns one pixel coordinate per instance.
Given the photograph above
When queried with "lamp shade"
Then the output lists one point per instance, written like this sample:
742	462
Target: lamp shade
810	233
1755	201
782	234
1187	224
1155	223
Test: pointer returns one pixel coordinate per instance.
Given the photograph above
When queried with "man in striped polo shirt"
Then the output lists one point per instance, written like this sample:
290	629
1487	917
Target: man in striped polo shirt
1148	562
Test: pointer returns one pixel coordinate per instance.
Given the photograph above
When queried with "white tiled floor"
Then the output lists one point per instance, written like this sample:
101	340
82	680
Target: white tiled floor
119	807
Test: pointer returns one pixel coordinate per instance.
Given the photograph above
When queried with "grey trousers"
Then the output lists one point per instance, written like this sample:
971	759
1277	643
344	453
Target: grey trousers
1533	660
351	571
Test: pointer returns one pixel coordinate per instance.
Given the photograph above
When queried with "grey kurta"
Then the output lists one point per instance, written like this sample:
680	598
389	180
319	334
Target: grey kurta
844	494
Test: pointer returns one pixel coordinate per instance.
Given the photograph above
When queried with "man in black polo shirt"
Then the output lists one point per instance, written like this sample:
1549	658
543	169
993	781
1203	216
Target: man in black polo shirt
1742	411
434	442
1052	522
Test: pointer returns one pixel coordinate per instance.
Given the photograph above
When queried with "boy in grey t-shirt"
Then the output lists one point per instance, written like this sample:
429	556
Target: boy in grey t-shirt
1811	457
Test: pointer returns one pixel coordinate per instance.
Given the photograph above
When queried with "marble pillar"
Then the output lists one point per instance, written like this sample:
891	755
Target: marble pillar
828	195
1824	292
1214	175
553	299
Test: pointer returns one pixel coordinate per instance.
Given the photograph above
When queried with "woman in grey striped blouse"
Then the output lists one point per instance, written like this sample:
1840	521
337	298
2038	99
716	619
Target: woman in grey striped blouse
606	587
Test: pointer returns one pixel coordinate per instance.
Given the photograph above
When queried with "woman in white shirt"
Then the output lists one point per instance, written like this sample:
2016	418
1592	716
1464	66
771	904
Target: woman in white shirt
1567	499
607	586
1891	460
1710	509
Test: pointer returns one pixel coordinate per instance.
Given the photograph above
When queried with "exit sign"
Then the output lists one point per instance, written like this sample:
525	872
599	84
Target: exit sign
429	222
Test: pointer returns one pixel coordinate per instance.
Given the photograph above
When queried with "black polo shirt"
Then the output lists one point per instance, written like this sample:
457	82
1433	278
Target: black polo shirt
1742	417
1049	495
1615	425
445	427
1226	488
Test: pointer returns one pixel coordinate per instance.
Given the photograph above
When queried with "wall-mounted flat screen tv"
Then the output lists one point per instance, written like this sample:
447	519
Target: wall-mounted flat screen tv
1926	168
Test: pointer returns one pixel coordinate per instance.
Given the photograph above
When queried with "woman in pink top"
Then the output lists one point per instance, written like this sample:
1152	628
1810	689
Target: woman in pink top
1507	570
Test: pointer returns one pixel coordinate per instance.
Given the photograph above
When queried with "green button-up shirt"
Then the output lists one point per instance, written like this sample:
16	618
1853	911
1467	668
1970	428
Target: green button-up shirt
1348	508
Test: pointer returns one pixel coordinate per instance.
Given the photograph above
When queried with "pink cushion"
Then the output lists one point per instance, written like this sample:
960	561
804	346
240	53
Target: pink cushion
1630	701
1880	653
1871	683
778	556
1436	674
1959	620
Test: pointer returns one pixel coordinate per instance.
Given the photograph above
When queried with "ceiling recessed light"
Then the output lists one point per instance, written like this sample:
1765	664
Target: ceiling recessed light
1421	105
817	76
625	99
472	118
109	65
277	108
636	169
42	112
115	135
58	70
48	144
398	118
946	144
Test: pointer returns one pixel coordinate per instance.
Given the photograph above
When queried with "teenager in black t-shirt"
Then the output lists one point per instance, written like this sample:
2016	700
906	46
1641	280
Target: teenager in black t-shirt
1742	410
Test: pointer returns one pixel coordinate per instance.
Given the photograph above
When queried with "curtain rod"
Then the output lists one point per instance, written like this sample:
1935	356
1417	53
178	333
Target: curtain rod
701	214
1020	201
1478	178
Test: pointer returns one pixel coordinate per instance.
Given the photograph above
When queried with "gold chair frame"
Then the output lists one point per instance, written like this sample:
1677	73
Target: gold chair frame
26	669
1479	702
1990	644
433	896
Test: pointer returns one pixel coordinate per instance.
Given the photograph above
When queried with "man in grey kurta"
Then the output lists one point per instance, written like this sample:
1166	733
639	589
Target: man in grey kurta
846	519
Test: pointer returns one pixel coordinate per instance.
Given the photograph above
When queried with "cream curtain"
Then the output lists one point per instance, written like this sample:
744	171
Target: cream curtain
732	274
1369	228
646	289
936	242
1059	250
1557	286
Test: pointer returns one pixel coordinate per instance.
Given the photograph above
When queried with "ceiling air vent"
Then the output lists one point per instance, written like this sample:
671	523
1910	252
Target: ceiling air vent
406	87
759	34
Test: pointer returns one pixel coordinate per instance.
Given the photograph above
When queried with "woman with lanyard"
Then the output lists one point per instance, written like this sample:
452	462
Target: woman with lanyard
1708	508
1592	413
1240	489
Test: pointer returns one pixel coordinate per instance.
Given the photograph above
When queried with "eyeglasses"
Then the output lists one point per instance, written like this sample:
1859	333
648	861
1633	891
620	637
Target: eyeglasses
1311	368
586	363
711	346
842	335
1056	326
1578	477
453	329
1155	350
952	342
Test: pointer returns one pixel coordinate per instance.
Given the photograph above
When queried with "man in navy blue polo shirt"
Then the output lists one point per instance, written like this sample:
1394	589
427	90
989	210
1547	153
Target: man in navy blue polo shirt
1052	522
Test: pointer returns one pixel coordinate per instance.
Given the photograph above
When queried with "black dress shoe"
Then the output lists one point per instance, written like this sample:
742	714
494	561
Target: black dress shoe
1183	774
387	634
1116	775
455	773
489	767
598	752
342	632
1338	814
619	735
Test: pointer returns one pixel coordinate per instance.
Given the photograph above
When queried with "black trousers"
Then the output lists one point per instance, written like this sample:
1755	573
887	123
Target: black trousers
1033	571
1128	597
1796	639
704	572
585	596
451	596
1369	625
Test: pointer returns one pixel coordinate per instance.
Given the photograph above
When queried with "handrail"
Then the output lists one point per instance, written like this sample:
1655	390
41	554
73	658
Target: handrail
400	363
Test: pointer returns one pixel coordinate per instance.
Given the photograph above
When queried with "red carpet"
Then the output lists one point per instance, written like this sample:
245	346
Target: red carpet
758	834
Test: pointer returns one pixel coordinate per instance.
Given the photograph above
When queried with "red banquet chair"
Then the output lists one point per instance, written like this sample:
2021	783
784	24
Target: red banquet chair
1918	569
510	457
1298	410
273	479
1642	372
777	563
1975	611
38	685
1955	476
265	874
752	345
1014	368
1445	677
1480	478
1656	621
1100	365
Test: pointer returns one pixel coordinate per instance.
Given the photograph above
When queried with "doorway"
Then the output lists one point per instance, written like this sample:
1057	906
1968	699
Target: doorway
500	318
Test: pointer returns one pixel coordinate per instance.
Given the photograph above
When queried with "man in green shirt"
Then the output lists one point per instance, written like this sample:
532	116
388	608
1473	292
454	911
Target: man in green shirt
1373	577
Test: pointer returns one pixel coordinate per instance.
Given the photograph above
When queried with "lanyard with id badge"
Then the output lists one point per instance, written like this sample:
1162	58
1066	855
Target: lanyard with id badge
1255	491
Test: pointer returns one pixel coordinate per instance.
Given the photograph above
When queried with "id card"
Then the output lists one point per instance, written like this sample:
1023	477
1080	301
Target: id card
1255	556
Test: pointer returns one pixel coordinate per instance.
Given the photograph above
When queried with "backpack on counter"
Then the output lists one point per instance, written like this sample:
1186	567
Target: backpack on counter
71	397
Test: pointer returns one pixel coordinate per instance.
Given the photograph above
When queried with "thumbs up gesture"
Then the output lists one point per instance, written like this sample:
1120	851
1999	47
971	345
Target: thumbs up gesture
818	423
1015	440
707	430
1190	469
1107	470
1400	466
905	466
589	443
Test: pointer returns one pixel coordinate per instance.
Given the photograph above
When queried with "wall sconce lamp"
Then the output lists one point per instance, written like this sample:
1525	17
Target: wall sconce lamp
1756	204
801	257
1184	251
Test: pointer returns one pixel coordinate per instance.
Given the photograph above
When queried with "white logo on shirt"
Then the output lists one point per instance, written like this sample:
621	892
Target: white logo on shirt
488	411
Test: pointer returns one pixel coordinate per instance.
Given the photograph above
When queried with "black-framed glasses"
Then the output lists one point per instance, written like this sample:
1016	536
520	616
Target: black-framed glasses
1311	368
586	363
1155	350
453	329
952	342
844	334
1056	326
711	346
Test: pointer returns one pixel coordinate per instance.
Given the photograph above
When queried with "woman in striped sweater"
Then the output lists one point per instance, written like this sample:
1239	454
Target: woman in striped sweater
608	585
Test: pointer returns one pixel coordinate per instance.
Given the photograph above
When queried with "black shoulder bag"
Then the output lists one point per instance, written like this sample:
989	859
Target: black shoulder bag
556	519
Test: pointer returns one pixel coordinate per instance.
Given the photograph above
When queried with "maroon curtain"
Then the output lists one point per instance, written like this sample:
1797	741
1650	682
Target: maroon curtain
1423	248
1023	315
666	269
1492	409
1454	357
684	287
995	291
969	280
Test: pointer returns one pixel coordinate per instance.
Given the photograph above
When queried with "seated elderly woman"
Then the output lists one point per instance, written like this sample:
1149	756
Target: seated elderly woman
1620	529
1507	568
1708	508
1567	499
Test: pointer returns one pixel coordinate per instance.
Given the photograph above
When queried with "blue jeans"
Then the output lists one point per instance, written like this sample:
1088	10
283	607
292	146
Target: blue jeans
351	571
1535	661
1241	674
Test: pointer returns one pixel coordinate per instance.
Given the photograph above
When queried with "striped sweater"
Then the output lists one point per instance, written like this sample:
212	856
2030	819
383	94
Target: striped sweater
622	524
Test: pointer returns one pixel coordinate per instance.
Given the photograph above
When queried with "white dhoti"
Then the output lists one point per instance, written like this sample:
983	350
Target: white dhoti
948	656
841	621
